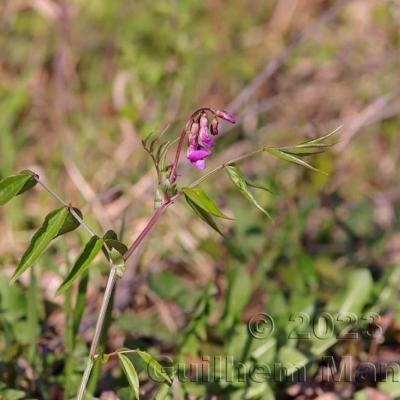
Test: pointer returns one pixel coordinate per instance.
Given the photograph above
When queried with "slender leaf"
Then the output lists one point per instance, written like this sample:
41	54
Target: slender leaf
154	364
239	181
112	242
71	223
286	156
92	248
204	215
80	303
199	197
48	231
130	373
15	185
318	141
256	186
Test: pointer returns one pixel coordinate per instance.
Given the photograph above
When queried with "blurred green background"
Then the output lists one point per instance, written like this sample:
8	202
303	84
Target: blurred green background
83	82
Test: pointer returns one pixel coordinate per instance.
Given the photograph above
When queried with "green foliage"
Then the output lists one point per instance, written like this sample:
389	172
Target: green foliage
130	373
205	202
92	248
16	184
51	227
240	182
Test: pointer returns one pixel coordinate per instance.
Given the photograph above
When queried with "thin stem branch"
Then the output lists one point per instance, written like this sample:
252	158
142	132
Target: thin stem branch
112	279
65	204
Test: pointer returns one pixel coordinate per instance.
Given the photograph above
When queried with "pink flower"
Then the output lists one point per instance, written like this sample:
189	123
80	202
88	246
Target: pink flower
197	153
200	164
226	116
206	139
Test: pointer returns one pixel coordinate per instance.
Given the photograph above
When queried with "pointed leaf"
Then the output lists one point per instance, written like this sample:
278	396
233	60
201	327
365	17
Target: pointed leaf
15	185
92	248
256	186
155	365
284	155
48	231
130	373
199	197
204	215
318	141
117	245
239	181
71	223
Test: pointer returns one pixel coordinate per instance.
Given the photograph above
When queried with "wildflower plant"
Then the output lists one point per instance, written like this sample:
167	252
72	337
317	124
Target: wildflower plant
199	134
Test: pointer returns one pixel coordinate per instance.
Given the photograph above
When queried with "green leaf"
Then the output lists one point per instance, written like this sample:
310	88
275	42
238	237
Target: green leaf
256	186
112	242
239	181
291	359
92	248
201	199
154	364
318	141
48	231
130	373
205	216
238	293
71	223
286	156
15	185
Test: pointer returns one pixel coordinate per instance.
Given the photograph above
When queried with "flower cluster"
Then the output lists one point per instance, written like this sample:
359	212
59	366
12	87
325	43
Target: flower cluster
201	136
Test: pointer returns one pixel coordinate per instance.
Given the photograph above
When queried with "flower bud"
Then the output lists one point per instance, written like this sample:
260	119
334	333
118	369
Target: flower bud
203	121
226	116
214	127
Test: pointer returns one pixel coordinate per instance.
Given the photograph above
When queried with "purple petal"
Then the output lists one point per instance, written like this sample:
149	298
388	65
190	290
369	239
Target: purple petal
197	154
200	164
226	116
205	138
214	127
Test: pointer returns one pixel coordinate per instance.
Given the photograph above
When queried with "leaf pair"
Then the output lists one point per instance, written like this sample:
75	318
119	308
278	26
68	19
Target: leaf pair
307	148
204	206
130	371
239	180
16	184
56	223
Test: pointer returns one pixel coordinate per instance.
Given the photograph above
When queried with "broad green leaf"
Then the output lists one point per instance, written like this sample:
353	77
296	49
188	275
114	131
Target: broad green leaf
239	292
317	142
15	185
162	392
204	215
80	303
201	199
349	302
357	293
92	248
291	359
71	223
154	364
239	181
391	384
48	231
286	156
130	373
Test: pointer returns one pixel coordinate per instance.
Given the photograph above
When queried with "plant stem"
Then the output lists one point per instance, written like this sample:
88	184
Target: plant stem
113	277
